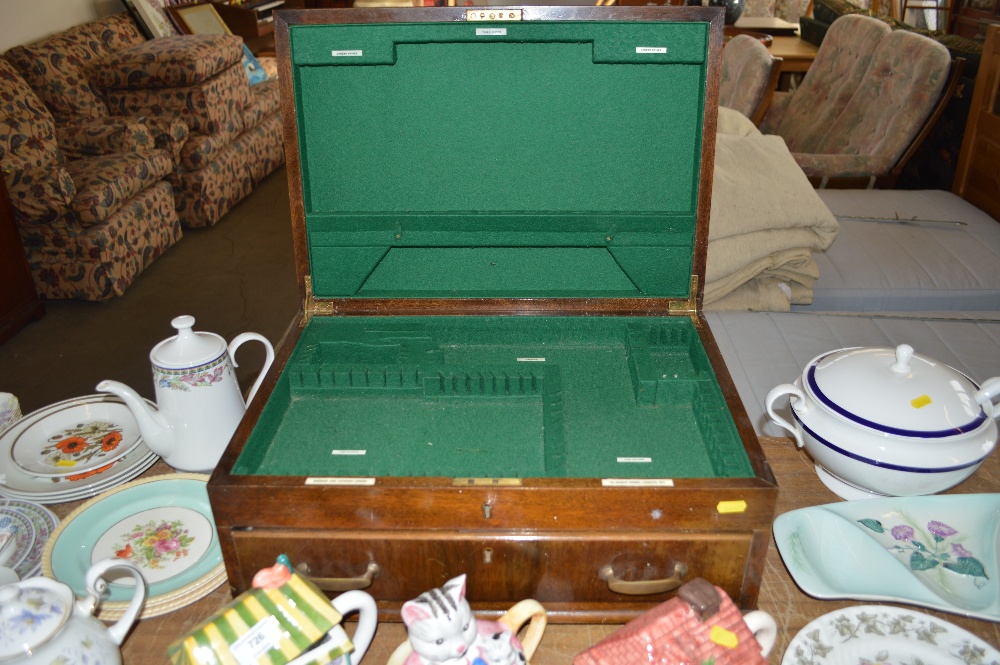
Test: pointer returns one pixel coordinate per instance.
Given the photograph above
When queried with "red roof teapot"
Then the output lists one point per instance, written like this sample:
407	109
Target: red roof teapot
198	399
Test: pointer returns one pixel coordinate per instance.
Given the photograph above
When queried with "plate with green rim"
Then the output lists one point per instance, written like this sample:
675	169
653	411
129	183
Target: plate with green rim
163	524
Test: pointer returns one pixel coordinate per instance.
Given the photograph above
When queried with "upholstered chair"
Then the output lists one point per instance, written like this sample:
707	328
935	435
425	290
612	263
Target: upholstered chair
865	103
89	225
191	91
749	77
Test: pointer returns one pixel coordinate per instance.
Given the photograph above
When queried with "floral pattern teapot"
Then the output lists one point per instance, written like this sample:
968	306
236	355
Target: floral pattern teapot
41	621
198	399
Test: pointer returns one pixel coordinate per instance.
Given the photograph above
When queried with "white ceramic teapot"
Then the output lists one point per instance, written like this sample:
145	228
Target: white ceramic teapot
42	622
198	400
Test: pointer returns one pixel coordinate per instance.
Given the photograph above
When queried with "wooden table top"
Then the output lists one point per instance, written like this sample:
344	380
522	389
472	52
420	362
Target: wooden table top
798	487
796	54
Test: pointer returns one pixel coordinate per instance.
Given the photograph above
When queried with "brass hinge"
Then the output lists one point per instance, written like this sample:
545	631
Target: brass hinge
313	306
687	307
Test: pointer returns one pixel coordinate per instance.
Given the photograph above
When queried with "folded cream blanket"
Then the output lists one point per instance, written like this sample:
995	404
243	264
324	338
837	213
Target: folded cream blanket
766	222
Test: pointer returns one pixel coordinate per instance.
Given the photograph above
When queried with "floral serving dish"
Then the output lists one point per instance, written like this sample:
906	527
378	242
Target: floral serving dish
939	552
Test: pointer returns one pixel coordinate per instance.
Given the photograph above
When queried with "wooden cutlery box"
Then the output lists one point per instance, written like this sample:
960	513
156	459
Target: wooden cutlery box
501	368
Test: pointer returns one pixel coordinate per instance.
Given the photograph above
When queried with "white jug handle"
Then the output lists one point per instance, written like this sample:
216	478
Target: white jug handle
764	630
345	603
96	586
779	391
989	391
268	349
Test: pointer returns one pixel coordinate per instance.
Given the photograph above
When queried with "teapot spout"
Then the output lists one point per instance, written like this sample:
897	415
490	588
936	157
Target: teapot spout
156	431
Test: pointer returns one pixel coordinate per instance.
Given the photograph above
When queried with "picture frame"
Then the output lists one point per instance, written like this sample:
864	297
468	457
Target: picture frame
151	17
198	19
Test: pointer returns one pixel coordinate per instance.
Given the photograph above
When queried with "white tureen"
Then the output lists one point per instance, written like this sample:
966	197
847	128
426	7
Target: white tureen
882	421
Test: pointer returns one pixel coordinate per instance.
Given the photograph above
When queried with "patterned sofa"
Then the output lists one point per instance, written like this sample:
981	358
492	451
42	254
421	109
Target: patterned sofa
105	70
90	224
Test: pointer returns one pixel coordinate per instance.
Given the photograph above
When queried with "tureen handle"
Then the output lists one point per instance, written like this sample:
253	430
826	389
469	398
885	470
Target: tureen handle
779	391
989	392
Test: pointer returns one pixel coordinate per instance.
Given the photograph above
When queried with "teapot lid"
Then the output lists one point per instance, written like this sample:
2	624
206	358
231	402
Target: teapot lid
31	612
896	391
187	348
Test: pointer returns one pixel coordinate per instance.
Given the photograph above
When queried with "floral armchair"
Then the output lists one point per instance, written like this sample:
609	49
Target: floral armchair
190	92
749	77
865	103
90	224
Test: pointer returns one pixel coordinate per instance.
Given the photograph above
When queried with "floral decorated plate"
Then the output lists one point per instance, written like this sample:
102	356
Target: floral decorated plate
43	522
74	436
162	524
17	483
23	536
939	551
884	634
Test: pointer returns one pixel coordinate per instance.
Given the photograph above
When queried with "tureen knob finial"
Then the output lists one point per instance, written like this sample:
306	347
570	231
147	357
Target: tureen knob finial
903	354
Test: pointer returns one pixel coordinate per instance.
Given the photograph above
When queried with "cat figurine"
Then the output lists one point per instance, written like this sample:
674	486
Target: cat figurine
443	631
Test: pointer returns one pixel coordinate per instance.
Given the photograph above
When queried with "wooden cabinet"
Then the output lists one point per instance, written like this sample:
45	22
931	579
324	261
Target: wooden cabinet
19	301
971	17
253	21
977	178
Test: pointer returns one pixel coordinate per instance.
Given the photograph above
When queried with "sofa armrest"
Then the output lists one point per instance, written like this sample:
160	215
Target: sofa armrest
843	166
40	196
88	137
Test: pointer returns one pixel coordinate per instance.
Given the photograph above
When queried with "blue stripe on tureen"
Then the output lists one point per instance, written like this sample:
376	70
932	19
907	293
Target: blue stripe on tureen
886	465
971	426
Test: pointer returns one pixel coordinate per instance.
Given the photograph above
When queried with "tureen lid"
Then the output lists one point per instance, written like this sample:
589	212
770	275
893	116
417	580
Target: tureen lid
30	615
187	348
896	391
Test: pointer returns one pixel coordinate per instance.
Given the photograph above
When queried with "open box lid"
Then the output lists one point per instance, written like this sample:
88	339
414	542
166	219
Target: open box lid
550	153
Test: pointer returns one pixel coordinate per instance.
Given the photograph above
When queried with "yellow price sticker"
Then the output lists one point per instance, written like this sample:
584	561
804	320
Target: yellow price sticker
732	507
920	402
723	637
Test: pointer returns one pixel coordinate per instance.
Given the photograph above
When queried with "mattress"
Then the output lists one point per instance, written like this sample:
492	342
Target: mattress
765	349
929	265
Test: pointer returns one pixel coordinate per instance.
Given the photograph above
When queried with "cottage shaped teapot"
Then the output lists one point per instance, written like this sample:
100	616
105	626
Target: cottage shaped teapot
42	622
198	399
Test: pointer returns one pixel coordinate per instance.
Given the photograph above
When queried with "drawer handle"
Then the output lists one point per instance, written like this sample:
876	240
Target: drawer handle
348	583
643	587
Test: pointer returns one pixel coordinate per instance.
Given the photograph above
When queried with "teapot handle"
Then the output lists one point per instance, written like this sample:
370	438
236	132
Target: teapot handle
268	349
96	587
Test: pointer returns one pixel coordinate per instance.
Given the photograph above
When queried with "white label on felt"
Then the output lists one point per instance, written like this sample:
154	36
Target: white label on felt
491	32
531	360
264	636
635	460
332	480
348	452
637	482
650	49
356	53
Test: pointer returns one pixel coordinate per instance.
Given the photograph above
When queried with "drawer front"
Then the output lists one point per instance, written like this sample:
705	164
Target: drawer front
579	573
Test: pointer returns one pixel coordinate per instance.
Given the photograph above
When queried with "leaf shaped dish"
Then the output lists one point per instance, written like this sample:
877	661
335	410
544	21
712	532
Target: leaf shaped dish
939	552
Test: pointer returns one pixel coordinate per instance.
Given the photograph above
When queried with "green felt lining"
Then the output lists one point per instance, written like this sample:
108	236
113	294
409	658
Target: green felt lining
556	136
559	397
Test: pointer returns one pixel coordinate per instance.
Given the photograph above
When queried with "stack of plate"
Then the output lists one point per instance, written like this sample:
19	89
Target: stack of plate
32	524
72	450
163	525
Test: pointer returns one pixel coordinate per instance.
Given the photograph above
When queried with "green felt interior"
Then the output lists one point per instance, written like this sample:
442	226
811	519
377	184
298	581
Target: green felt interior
437	159
557	397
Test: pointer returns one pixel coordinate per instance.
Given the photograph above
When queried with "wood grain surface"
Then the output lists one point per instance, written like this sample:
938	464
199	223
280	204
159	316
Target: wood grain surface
798	487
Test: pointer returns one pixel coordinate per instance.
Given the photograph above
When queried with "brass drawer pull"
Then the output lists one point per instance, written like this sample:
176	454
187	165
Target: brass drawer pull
348	583
643	587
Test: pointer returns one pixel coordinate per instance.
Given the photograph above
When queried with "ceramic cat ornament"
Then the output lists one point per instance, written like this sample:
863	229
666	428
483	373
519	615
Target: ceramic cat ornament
443	631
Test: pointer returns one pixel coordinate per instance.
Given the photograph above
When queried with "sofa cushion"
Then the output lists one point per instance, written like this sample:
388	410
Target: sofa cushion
265	101
117	31
169	62
57	69
209	107
105	183
103	136
28	132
